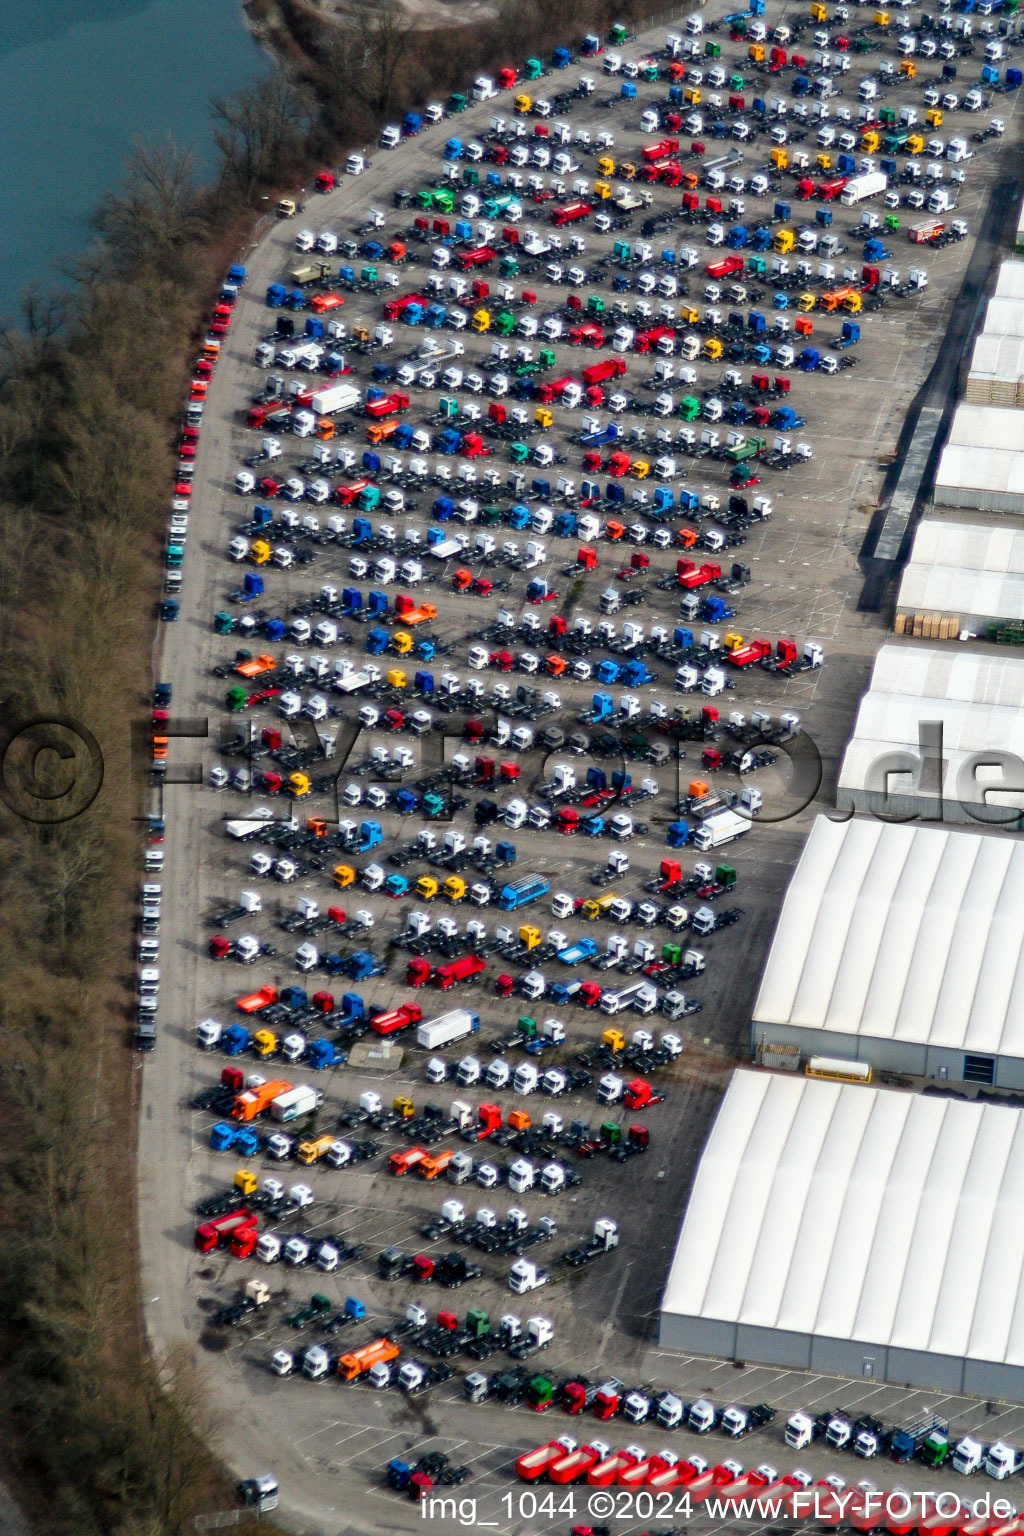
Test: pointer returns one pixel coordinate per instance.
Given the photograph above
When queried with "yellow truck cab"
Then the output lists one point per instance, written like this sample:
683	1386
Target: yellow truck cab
310	1152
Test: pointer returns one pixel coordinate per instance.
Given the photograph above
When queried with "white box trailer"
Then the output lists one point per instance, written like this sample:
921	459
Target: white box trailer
860	187
720	829
447	1027
337	397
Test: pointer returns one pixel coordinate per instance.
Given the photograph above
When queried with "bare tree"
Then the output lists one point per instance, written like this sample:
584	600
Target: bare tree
383	36
259	132
155	210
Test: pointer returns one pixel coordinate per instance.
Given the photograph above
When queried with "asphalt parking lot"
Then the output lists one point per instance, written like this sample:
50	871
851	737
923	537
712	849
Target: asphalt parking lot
328	1443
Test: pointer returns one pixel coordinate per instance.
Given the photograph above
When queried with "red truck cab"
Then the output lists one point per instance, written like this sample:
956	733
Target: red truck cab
463	969
570	212
659	150
478	257
724	268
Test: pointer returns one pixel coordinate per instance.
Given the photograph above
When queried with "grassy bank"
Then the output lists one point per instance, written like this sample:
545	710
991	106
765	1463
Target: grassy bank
90	396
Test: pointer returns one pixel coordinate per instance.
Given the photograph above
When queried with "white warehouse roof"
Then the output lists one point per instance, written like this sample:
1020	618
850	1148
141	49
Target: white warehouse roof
1004	316
986	426
1010	282
990	478
903	933
965	568
978	698
998	357
858	1214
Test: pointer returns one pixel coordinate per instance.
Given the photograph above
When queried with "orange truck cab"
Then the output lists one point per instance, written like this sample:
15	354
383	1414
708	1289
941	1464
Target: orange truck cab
359	1361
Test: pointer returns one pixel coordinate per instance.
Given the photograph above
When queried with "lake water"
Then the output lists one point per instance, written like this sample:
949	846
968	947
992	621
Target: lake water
80	80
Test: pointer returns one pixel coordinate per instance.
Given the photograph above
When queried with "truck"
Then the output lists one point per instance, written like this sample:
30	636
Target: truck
870	184
256	1101
725	267
394	1019
383	405
801	1429
399	1163
720	829
659	150
968	1456
905	1442
574	954
355	1364
534	1464
568	213
926	231
519	892
617	1001
336	397
607	368
220	1232
525	1276
446	1028
144	1034
737	1422
295	1103
604	1239
255	1296
463	969
311	272
478	257
1003	1460
310	1152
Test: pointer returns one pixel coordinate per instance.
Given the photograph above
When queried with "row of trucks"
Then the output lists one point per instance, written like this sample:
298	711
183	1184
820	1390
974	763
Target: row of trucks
925	1439
563	1461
